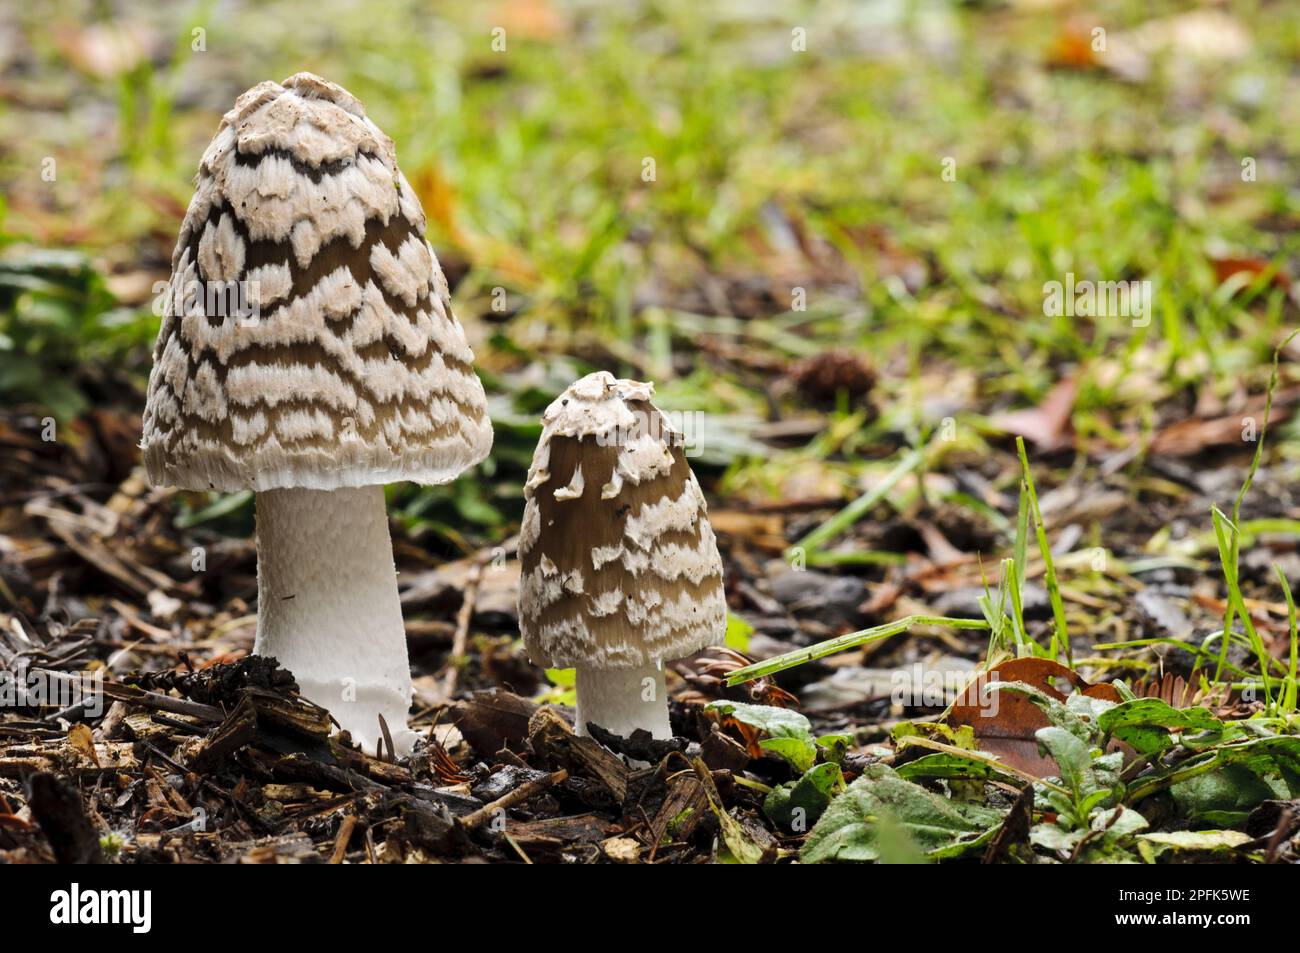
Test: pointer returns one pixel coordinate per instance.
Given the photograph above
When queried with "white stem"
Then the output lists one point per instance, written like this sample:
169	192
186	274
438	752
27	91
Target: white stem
623	699
328	608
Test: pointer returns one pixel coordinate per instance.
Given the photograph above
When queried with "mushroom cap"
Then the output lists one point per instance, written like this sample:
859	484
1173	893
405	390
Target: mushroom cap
620	567
351	369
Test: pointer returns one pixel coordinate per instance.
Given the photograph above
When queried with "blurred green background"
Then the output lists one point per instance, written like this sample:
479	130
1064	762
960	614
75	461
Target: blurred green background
896	180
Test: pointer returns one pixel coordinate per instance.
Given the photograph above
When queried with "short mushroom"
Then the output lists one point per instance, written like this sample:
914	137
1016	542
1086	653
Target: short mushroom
344	370
620	568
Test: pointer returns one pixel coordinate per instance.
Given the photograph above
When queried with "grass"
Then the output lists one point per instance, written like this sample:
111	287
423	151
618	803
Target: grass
1082	177
1289	690
819	170
810	546
1060	634
842	643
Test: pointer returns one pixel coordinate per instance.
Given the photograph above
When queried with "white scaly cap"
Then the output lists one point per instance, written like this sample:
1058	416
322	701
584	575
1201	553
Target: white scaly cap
355	372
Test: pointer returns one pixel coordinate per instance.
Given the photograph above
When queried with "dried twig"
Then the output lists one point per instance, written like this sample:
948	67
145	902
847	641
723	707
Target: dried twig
462	629
517	796
346	827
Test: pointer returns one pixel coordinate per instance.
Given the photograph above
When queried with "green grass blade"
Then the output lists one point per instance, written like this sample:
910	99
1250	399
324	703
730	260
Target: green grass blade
1062	635
1011	567
1289	693
780	663
1235	551
1022	536
1225	531
859	507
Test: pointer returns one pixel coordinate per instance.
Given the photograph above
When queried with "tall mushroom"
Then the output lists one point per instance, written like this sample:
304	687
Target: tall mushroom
620	568
345	371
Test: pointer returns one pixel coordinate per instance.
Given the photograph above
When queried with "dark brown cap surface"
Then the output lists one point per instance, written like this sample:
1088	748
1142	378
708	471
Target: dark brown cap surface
620	565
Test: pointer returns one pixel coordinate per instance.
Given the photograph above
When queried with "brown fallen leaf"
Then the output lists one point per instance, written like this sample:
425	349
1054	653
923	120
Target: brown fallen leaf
1005	723
765	531
941	551
1072	48
82	739
1228	267
492	720
533	19
713	665
1186	438
1047	425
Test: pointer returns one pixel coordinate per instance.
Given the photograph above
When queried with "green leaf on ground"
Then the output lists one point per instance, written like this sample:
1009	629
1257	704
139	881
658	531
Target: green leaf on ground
1071	755
738	633
1224	796
789	734
799	753
834	746
797	804
1153	845
954	767
1146	723
848	831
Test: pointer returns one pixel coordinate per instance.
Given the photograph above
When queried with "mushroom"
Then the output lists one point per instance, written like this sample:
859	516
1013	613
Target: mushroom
342	369
620	568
